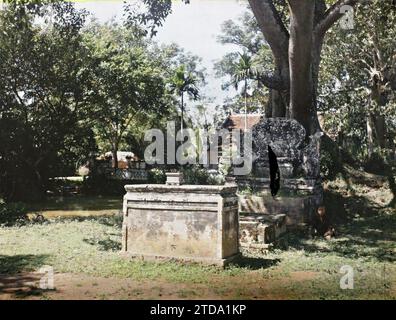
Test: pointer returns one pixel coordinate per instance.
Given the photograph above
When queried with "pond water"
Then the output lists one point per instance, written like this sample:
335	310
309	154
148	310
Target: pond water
77	206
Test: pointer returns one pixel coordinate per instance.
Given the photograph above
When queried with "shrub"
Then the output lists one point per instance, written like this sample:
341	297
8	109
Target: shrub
197	175
100	185
156	176
376	164
330	159
13	214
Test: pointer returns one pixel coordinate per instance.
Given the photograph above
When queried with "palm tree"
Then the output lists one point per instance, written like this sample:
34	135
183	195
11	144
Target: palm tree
184	82
244	70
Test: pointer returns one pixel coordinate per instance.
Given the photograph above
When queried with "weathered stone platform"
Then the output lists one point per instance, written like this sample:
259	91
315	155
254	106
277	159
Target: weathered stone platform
299	206
260	231
264	218
183	222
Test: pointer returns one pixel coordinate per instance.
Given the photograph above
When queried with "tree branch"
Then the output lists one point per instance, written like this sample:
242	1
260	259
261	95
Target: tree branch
271	25
332	15
271	81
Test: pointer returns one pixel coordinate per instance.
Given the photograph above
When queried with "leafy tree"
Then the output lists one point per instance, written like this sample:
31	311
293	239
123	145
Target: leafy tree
245	34
296	50
128	85
244	71
357	93
184	83
44	73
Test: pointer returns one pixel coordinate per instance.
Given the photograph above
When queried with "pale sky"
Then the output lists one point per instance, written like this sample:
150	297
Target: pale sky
194	27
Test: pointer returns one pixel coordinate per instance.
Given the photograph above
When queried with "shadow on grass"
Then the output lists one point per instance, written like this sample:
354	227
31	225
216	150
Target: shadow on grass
16	278
78	203
255	263
363	228
19	263
107	220
105	244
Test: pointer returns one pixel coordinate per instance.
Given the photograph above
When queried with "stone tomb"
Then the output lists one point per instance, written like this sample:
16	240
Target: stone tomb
183	222
300	184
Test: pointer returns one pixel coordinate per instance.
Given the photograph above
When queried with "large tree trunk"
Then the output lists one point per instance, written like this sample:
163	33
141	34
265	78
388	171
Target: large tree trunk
380	99
115	157
276	106
380	131
300	60
297	54
277	38
370	136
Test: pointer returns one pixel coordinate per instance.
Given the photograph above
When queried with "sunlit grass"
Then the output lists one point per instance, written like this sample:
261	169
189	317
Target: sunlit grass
91	246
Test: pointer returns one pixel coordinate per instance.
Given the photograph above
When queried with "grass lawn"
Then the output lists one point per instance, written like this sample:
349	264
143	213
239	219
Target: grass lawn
84	254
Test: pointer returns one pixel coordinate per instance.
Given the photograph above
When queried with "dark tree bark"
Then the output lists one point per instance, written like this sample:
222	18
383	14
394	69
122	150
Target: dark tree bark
276	107
277	37
300	58
115	157
296	55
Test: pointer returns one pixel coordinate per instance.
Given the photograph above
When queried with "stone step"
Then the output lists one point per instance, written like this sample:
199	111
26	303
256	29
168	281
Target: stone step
258	231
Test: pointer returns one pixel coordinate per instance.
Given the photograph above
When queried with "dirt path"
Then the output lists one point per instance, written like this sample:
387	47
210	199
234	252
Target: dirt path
82	287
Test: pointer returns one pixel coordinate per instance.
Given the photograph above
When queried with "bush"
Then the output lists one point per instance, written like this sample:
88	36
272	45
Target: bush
330	159
100	185
156	176
376	164
13	214
197	175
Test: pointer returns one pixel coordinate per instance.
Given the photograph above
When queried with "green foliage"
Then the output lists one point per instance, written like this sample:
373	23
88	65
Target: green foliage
358	91
41	94
184	82
330	159
244	67
71	90
128	85
196	175
181	83
157	176
246	190
13	214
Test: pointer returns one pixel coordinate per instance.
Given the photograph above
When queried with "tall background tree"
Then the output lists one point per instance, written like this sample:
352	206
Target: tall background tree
70	90
245	34
184	83
295	31
128	85
244	72
44	76
358	82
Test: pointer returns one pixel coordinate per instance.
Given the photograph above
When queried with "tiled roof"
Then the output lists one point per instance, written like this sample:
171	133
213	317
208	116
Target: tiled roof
237	121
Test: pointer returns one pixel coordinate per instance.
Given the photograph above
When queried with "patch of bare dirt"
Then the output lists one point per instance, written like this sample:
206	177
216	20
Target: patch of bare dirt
83	287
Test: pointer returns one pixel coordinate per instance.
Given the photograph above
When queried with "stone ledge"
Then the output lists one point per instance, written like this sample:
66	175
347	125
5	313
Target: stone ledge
310	186
160	188
259	231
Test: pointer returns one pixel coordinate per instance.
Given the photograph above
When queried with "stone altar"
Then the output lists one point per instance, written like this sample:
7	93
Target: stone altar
182	222
299	165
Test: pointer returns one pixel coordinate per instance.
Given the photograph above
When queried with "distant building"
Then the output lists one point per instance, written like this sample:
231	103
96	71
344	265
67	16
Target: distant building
125	159
130	167
237	121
